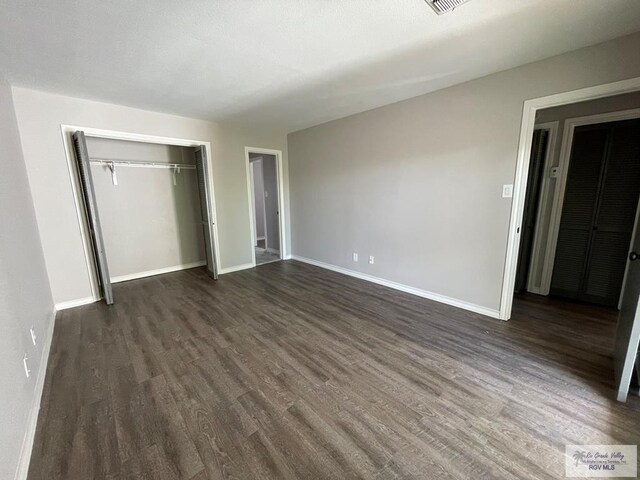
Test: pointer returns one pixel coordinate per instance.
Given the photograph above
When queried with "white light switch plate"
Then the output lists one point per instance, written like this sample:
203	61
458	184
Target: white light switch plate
507	191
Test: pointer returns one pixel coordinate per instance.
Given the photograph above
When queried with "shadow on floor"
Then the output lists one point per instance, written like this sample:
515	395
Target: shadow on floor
577	338
264	256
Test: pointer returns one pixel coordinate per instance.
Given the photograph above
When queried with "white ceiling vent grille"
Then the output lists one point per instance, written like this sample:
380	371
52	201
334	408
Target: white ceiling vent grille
444	6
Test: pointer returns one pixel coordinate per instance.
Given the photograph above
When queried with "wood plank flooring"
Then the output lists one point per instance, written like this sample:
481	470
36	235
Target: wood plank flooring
288	371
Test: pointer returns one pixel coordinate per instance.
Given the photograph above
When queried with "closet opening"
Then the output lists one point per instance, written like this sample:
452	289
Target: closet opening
579	238
145	207
264	184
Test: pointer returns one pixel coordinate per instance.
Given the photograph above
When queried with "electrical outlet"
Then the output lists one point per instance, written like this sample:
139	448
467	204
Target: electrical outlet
33	336
27	372
371	260
355	257
507	191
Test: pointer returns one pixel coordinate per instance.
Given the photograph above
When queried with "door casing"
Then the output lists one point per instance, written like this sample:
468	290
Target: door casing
282	220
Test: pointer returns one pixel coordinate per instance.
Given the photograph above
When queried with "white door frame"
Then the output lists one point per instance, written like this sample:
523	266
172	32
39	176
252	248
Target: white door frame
552	128
67	130
564	159
282	220
522	170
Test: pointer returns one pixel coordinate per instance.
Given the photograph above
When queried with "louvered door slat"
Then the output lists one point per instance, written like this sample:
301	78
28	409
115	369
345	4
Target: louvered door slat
603	186
615	215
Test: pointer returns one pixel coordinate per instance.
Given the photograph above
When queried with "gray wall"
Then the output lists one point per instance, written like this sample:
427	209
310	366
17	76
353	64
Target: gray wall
560	114
258	197
147	222
270	176
418	183
40	115
25	297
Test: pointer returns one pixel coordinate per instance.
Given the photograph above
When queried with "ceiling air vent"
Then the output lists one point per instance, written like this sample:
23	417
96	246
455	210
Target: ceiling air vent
444	6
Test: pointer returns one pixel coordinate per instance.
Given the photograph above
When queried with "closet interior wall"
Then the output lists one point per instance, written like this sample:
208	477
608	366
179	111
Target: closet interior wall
150	216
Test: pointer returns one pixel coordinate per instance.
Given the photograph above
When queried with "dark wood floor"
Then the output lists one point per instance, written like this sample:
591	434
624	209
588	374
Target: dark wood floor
289	371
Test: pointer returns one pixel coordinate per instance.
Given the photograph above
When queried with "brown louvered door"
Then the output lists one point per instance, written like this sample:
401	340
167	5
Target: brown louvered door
598	214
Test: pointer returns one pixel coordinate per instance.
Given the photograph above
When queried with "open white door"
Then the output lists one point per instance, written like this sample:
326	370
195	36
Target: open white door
93	217
202	170
628	331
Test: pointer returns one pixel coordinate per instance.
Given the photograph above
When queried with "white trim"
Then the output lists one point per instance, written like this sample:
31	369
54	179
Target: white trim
158	271
67	130
237	268
403	288
564	160
92	274
273	250
75	303
552	128
32	422
280	180
261	238
522	166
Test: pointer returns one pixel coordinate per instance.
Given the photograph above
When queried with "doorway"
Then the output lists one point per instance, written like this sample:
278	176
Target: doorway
264	182
543	144
582	207
598	214
576	249
145	205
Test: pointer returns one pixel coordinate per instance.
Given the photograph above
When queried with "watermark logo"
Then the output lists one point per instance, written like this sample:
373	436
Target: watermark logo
617	461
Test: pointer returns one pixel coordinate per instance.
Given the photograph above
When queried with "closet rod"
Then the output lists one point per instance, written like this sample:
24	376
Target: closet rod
139	164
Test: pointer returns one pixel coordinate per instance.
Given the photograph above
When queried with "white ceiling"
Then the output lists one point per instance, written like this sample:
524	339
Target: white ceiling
291	63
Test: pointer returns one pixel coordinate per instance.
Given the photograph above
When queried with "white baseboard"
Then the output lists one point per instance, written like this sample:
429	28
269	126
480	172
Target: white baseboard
123	278
236	268
273	250
159	271
403	288
32	423
74	303
261	238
